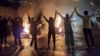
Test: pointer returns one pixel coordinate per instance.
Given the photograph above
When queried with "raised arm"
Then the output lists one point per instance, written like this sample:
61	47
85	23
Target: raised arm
22	16
45	18
60	15
55	15
29	19
77	12
39	17
94	12
72	14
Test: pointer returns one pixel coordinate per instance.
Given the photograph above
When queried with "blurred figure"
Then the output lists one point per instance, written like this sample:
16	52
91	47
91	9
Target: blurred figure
3	30
69	38
34	29
17	29
51	30
87	27
98	21
9	26
39	23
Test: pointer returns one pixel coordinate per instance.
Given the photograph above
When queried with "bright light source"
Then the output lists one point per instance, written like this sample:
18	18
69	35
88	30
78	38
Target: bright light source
58	21
58	25
26	28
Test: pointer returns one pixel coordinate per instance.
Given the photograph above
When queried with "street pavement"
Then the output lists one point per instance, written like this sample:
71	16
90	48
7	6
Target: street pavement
61	49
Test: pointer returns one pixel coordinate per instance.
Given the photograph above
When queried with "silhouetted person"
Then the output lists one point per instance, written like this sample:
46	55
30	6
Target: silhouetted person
69	38
17	28
51	30
4	29
9	27
34	29
87	27
39	16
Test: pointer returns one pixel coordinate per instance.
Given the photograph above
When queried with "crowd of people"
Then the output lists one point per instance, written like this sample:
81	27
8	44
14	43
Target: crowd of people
69	38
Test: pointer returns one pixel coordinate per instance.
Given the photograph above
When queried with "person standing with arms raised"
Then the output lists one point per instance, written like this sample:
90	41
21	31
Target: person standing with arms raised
34	29
69	38
87	27
51	30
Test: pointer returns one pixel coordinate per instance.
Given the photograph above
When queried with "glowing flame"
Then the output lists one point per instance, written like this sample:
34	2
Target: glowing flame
26	28
58	24
58	21
60	29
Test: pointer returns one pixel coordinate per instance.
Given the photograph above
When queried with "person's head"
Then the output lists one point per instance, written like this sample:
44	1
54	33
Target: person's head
67	15
50	19
85	12
32	19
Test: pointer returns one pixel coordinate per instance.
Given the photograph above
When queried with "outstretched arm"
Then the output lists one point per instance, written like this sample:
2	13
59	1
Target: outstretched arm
22	16
72	14
60	15
39	17
29	18
45	18
77	13
94	12
55	15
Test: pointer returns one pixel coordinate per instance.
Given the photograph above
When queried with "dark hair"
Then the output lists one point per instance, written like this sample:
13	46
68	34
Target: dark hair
85	12
67	15
50	18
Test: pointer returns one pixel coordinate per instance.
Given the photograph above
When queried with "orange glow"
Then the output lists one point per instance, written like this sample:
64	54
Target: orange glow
60	29
26	28
58	21
58	24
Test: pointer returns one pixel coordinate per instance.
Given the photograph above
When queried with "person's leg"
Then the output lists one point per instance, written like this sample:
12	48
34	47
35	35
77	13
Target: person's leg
91	37
15	37
35	41
68	40
72	40
49	37
19	40
32	40
5	40
54	41
85	31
